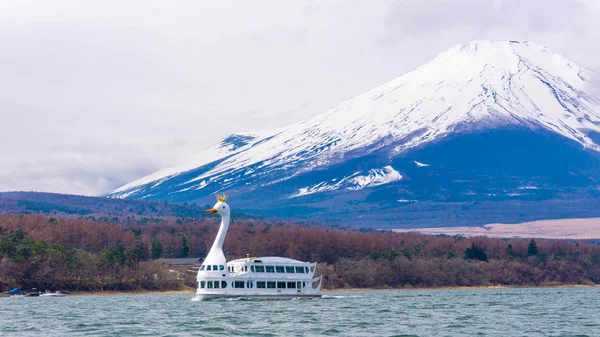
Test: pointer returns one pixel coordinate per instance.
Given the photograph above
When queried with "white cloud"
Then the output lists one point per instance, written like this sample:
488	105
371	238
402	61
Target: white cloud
95	93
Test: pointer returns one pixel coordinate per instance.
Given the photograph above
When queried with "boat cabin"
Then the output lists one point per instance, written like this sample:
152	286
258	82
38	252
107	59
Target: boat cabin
259	275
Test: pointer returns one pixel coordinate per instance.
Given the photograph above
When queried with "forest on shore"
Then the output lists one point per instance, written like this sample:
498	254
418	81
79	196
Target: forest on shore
121	253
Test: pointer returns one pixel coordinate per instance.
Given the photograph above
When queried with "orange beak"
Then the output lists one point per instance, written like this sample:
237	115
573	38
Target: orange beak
211	211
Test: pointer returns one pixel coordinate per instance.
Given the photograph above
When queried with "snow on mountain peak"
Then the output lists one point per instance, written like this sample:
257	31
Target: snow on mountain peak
354	182
481	84
512	56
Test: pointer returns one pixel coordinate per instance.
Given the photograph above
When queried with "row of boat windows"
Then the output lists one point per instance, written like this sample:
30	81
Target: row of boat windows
213	267
250	285
279	269
232	268
212	284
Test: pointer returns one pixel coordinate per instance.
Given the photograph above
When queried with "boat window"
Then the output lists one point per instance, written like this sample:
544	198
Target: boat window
300	270
260	269
216	284
270	269
270	284
281	285
202	267
215	267
249	284
279	269
223	284
299	285
208	268
238	284
291	285
306	269
245	268
252	269
261	284
202	284
289	270
209	284
221	267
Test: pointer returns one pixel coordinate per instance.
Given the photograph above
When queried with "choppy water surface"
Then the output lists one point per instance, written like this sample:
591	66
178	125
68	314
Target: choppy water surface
485	312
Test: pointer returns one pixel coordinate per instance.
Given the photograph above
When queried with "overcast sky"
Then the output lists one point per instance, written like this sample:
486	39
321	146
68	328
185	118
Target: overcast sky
94	94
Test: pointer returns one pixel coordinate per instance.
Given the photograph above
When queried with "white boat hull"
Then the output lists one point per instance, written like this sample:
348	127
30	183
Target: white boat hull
204	296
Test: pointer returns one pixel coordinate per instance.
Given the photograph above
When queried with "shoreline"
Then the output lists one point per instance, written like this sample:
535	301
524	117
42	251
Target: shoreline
325	291
135	292
464	287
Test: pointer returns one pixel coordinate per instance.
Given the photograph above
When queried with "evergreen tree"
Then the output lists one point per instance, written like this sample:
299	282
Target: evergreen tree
509	251
157	250
185	250
136	254
475	253
532	249
202	250
119	255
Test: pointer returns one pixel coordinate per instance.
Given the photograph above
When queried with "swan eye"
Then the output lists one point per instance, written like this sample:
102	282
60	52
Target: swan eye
223	207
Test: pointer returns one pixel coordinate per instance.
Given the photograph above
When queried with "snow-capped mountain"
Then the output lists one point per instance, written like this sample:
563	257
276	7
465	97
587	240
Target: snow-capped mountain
470	99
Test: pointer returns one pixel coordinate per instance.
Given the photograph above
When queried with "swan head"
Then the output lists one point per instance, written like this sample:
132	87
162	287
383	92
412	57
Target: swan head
220	208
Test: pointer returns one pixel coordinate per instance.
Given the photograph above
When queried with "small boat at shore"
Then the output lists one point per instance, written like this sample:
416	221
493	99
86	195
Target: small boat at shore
254	277
47	293
15	292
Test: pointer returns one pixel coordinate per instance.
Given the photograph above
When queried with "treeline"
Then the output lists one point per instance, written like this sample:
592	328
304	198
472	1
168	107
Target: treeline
86	254
65	205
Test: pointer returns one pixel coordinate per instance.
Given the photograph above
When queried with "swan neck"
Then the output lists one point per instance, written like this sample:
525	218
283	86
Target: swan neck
222	233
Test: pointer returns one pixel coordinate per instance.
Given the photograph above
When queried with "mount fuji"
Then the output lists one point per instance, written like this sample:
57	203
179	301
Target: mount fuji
490	131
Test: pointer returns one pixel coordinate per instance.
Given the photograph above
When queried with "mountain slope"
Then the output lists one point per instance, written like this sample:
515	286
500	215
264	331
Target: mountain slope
360	147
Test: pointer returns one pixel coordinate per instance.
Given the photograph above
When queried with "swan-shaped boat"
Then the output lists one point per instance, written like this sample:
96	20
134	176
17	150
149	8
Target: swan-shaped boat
260	277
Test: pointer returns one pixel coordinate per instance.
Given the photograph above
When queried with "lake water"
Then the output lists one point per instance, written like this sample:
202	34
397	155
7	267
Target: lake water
484	312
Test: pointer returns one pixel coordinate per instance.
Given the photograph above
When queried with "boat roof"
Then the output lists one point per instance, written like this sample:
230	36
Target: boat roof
270	259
